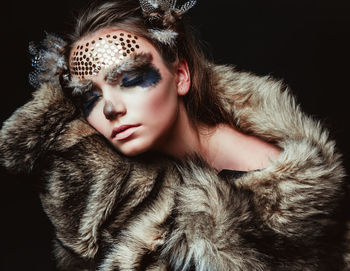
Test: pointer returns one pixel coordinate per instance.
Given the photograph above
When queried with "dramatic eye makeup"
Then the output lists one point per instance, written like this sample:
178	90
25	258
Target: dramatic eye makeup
146	77
135	71
89	100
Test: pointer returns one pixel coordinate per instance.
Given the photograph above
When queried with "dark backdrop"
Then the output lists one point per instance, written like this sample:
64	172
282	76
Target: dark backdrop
302	42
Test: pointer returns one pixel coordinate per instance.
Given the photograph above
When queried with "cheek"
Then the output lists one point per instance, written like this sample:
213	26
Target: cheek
97	119
162	102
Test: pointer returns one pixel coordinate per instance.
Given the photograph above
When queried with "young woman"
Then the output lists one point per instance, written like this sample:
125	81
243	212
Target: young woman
154	158
143	108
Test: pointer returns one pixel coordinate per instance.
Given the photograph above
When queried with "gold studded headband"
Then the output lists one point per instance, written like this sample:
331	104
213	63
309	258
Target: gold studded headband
89	57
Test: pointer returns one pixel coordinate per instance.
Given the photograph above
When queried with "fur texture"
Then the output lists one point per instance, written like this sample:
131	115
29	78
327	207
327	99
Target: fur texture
152	213
48	60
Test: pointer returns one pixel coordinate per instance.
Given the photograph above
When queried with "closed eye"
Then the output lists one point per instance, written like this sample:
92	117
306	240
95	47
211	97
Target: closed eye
146	78
130	80
89	101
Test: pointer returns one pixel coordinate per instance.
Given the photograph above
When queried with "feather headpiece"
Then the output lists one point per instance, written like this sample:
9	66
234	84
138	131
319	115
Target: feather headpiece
166	12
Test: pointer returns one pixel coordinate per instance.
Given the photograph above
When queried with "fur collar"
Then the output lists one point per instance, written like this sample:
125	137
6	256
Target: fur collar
303	182
295	198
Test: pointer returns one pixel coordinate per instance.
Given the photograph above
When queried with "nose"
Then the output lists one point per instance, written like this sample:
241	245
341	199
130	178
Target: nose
111	112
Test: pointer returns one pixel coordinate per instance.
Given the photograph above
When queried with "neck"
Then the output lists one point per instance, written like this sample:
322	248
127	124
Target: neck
182	139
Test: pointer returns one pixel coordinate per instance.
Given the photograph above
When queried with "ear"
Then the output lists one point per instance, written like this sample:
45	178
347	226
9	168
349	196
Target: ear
183	77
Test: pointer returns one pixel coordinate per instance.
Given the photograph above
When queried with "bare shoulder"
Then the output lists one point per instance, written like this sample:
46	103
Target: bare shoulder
238	151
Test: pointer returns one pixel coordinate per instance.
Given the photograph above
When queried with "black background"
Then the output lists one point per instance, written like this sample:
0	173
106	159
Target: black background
303	42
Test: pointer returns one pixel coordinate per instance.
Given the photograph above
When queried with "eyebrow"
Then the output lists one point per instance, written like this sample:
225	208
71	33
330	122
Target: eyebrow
135	62
80	87
132	63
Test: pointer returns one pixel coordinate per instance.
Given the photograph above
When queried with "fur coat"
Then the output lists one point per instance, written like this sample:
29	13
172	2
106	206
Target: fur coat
111	212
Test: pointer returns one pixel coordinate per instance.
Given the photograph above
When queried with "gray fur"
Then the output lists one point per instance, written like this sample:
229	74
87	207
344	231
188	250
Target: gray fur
111	212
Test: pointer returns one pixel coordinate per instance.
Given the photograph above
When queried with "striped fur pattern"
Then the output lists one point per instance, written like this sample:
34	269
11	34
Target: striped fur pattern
111	212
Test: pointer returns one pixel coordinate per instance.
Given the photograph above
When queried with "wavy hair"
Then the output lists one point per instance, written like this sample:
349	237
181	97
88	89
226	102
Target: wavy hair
201	102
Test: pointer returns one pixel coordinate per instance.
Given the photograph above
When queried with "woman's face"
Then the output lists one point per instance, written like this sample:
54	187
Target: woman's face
133	99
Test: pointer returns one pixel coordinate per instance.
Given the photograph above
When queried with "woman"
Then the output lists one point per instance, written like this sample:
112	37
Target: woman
143	108
141	190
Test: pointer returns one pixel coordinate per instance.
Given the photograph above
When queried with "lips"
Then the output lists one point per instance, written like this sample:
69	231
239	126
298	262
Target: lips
122	131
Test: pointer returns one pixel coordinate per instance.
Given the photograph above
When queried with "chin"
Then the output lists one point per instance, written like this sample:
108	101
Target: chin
133	148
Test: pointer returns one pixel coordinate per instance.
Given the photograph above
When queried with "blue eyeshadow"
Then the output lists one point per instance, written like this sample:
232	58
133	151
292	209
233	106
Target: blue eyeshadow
89	104
146	79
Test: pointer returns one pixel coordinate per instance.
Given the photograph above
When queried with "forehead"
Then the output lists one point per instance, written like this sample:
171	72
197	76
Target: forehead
104	49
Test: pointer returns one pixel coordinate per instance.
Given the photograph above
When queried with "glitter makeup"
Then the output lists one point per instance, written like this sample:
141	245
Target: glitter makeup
90	57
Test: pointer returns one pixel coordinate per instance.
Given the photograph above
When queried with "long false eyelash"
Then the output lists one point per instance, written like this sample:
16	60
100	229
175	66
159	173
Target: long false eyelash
133	81
136	61
145	76
88	105
134	77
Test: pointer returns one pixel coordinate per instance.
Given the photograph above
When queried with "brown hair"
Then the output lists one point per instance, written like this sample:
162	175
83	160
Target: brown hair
201	102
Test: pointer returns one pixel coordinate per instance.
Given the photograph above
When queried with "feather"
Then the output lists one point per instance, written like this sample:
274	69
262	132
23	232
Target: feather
151	6
148	6
167	36
187	6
